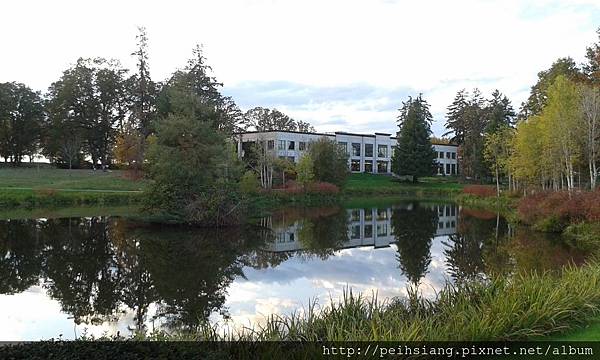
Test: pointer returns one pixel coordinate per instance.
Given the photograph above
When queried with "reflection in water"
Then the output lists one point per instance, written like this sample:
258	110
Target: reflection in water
104	269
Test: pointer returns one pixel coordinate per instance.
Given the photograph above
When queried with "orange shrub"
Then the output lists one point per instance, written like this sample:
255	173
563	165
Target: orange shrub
580	206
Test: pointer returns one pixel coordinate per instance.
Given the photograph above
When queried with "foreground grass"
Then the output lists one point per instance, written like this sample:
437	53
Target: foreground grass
521	307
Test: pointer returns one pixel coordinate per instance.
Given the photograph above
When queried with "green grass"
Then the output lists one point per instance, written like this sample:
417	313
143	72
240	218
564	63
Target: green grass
78	211
371	184
48	178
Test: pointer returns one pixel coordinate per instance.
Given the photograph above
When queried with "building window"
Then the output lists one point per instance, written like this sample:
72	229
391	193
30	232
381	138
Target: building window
453	169
441	154
291	237
301	146
440	211
368	231
292	145
355	149
382	151
368	150
447	168
382	230
355	165
448	155
368	166
441	225
440	169
454	155
382	214
382	167
270	144
368	214
343	146
281	145
355	233
453	224
355	215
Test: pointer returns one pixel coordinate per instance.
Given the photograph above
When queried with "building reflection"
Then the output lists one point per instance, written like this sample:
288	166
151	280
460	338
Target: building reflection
370	227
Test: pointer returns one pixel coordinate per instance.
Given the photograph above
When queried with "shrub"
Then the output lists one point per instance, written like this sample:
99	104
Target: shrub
249	183
583	236
555	210
323	188
480	190
330	162
45	192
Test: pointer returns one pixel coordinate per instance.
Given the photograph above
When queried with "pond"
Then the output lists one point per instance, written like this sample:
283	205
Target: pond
102	275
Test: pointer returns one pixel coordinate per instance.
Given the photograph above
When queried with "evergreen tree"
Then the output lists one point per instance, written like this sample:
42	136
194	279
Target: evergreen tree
414	155
499	112
591	69
142	89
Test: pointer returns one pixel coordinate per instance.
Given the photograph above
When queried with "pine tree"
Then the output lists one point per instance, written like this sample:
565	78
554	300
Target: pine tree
414	155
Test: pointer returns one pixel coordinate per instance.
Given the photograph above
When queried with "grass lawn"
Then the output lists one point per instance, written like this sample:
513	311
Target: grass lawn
61	179
383	184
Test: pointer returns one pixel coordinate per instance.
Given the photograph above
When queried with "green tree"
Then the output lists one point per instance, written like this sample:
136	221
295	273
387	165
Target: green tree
589	104
414	155
539	92
305	170
591	68
86	105
497	152
194	171
263	119
21	121
499	112
330	161
142	90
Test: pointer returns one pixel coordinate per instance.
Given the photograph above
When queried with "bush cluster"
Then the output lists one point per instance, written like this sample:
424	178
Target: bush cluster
553	211
480	190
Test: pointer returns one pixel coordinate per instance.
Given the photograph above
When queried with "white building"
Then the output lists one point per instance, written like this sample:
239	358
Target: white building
371	153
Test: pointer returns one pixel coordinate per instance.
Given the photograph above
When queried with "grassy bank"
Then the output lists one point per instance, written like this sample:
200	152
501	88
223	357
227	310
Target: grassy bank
370	184
523	307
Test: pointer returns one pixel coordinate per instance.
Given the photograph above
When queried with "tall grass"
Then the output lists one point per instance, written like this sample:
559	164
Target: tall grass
520	307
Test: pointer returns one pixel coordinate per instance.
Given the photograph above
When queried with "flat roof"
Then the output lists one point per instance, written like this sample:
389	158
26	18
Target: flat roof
329	134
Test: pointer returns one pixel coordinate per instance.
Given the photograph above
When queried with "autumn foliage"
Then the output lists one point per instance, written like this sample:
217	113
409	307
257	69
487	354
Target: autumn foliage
580	206
480	190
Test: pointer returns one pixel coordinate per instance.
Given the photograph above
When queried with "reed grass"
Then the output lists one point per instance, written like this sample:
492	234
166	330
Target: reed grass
511	308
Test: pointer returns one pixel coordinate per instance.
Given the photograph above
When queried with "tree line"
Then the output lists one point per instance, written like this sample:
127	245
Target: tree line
101	113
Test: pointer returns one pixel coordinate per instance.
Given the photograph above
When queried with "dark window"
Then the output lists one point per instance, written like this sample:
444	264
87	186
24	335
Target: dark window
382	214
368	231
271	144
454	155
368	166
292	145
441	224
447	168
441	154
382	167
355	215
369	150
355	149
382	151
453	169
448	155
368	214
301	146
355	165
281	145
355	232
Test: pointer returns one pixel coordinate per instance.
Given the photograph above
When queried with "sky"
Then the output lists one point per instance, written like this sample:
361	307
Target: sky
342	65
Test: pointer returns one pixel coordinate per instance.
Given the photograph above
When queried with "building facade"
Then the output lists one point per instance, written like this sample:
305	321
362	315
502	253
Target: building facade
369	153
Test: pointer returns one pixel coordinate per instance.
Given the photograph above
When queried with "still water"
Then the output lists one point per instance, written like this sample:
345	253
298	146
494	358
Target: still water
102	275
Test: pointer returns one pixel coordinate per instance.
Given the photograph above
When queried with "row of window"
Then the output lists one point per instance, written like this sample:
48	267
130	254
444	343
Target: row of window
382	230
450	169
382	150
382	166
291	145
449	155
382	214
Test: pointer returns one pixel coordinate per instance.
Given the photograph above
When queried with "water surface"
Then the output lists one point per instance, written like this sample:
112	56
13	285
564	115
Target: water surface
103	275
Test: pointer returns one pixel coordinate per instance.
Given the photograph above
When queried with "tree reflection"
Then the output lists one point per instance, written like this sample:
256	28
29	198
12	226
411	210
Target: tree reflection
414	228
20	255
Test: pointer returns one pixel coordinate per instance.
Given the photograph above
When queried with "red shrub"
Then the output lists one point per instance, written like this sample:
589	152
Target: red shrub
480	190
580	206
323	188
